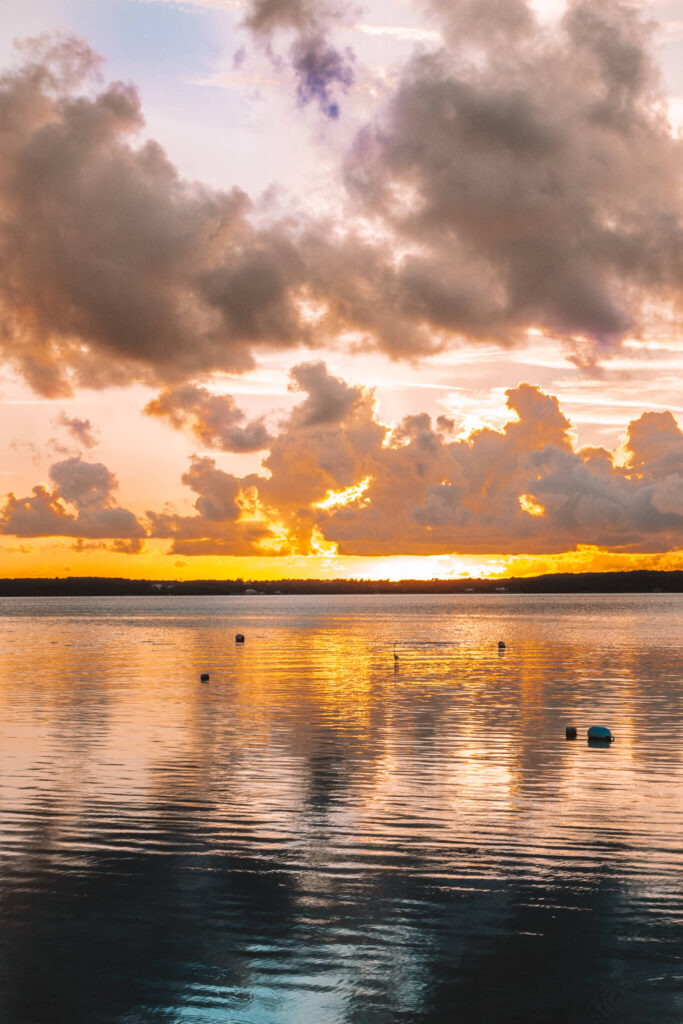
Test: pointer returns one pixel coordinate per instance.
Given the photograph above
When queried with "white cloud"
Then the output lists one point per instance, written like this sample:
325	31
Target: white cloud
403	33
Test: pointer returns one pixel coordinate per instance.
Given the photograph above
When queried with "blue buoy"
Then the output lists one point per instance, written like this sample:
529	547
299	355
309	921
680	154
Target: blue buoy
501	645
600	733
239	638
204	677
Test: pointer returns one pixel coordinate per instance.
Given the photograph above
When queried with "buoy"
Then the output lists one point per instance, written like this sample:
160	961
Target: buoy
239	638
501	645
570	732
204	677
395	656
600	733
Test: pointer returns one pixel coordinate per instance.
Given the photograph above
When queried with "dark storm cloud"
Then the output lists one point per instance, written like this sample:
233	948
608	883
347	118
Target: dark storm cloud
215	420
86	486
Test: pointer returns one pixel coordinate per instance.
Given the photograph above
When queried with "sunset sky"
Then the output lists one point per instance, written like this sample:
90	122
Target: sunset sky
307	288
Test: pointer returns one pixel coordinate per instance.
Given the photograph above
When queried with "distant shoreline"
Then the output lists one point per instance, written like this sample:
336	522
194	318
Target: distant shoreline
637	582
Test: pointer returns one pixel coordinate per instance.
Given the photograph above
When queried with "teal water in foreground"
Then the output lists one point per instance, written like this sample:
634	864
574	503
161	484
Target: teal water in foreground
323	835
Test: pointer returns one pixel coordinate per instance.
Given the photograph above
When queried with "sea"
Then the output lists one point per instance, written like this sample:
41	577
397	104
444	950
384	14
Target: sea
369	814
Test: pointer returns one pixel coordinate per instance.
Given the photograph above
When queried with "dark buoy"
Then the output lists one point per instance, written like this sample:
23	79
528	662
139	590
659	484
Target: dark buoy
599	734
239	638
395	656
570	732
501	645
204	677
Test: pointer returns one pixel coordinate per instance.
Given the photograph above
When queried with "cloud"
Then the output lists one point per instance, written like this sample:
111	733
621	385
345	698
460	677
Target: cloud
328	400
225	522
134	546
86	486
667	496
521	176
215	420
534	173
654	445
317	450
320	67
114	267
404	33
321	70
487	23
323	447
522	489
81	430
268	15
352	482
337	479
216	490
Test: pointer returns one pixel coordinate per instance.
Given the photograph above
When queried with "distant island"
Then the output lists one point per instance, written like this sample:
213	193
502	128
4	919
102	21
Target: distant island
639	581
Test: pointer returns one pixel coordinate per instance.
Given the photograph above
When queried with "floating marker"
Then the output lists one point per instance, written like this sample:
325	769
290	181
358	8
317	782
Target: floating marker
501	645
570	732
395	656
600	733
204	677
239	638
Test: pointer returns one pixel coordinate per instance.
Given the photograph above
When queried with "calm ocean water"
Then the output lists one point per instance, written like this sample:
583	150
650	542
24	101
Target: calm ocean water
321	834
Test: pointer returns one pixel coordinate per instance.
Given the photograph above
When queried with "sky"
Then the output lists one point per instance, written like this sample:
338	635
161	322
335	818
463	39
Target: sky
299	288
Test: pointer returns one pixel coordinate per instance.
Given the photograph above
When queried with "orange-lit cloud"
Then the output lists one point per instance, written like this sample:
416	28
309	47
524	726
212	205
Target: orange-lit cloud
348	485
215	420
85	487
531	507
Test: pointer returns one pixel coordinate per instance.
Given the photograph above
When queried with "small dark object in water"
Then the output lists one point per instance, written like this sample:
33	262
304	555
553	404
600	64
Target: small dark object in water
239	638
599	734
501	645
395	656
570	732
204	677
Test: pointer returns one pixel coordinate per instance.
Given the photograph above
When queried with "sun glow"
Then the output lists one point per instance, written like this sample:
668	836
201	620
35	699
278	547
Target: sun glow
335	499
253	511
531	507
320	546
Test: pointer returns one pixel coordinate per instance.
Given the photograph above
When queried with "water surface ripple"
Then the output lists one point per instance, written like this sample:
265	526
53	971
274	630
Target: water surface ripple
324	835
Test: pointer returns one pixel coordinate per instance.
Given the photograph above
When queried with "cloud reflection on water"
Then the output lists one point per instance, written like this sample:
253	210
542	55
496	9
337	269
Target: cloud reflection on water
315	837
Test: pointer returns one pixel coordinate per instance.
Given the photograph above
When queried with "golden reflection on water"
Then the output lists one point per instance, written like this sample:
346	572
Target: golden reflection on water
375	795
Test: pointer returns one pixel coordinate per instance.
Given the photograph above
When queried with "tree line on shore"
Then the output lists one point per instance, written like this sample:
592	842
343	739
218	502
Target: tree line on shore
636	581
